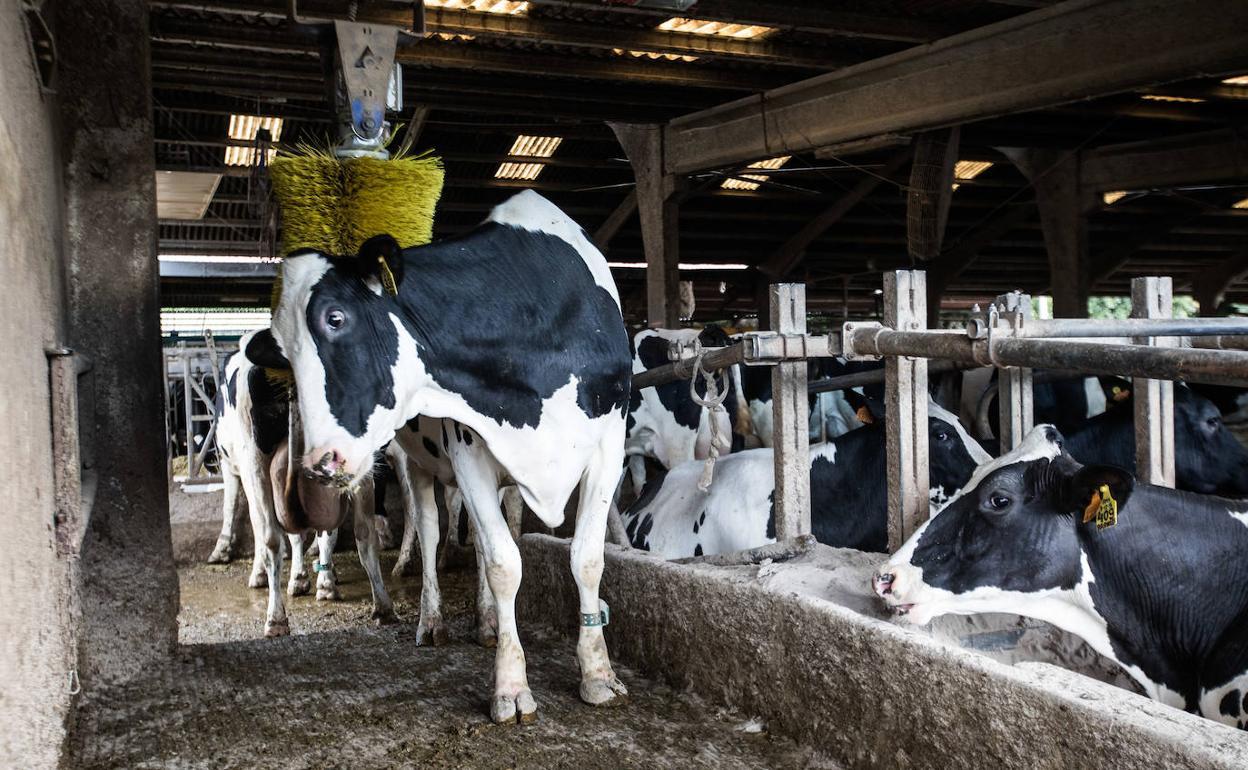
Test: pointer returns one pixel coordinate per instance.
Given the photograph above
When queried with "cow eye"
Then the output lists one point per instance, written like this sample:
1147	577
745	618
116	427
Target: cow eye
942	435
998	502
1213	423
334	319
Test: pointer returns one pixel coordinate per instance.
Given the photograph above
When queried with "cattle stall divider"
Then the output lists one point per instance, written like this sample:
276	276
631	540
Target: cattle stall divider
1151	347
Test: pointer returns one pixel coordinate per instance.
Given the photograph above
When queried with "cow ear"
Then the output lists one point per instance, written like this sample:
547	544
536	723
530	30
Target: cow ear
1086	490
264	351
868	410
382	257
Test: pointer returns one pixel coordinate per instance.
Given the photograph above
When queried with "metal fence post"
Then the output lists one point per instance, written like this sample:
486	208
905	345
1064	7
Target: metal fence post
1152	297
905	386
1014	398
790	410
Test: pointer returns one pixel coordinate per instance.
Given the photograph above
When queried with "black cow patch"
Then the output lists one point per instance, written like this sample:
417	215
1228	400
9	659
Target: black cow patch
1230	704
638	527
270	415
502	316
430	447
446	441
697	550
467	438
231	386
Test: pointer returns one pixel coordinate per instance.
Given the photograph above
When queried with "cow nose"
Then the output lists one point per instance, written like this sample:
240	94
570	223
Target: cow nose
328	466
882	582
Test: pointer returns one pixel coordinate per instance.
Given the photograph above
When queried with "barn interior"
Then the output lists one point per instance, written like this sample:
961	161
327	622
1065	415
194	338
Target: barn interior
710	149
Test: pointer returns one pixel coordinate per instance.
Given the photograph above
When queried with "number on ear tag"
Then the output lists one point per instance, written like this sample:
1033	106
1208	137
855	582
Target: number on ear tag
1102	507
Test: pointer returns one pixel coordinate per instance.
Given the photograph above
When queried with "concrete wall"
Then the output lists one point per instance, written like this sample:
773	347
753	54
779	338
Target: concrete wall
37	649
77	252
865	691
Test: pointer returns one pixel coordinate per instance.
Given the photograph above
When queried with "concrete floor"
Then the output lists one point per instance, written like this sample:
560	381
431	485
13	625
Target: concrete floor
342	693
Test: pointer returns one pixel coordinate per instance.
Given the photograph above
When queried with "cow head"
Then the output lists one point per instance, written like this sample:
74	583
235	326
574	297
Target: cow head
1207	457
1008	541
337	329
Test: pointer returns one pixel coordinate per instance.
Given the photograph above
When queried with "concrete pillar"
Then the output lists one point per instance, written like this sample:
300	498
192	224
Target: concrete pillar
658	208
128	584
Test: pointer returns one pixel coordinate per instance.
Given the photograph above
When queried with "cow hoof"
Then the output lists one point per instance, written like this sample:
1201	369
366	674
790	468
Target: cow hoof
431	634
299	586
514	709
404	567
221	553
604	692
328	594
258	580
385	617
275	628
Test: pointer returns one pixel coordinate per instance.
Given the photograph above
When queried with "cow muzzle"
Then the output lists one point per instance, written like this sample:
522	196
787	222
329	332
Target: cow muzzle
327	467
894	584
303	504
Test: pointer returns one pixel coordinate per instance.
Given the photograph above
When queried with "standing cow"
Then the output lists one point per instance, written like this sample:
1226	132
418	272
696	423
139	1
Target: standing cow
513	334
1152	578
252	432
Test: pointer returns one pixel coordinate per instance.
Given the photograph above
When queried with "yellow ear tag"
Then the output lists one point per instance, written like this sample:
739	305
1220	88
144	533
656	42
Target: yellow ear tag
387	278
864	415
1121	394
1102	507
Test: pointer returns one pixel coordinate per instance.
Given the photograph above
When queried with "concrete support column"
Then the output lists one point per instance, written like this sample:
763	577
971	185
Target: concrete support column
658	208
128	584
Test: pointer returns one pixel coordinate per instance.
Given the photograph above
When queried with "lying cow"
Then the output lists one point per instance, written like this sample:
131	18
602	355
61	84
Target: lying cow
1149	577
252	436
1207	457
376	340
848	494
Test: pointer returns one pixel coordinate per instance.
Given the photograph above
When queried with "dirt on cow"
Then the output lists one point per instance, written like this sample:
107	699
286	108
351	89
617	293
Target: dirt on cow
340	692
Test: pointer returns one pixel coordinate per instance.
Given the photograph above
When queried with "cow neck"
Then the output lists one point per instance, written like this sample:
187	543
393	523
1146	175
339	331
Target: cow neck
1159	579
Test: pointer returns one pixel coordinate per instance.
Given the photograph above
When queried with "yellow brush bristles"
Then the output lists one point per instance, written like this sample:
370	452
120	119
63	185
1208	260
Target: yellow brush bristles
335	204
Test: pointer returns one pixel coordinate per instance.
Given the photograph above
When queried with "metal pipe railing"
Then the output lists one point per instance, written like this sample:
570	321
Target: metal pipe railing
1218	367
1126	327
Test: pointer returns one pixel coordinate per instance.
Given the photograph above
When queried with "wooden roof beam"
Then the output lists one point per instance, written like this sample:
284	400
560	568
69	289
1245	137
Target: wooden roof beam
1206	157
1075	50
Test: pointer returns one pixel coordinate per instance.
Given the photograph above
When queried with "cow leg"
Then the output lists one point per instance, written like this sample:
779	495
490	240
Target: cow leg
477	475
299	584
326	578
404	470
455	549
366	545
513	508
599	684
232	512
431	629
268	546
487	612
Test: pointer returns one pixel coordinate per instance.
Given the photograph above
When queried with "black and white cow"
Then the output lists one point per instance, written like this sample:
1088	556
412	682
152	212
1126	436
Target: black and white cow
831	413
252	429
1207	456
513	334
664	422
848	494
1163	592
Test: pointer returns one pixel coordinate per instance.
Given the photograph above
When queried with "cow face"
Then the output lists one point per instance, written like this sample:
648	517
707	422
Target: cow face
335	328
1009	540
952	454
1208	459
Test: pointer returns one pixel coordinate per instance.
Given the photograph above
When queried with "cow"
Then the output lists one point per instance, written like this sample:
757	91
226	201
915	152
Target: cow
1150	577
1207	457
252	433
848	494
512	335
664	422
831	414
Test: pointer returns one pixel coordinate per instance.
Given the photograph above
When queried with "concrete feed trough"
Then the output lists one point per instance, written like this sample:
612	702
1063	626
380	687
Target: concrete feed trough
866	691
